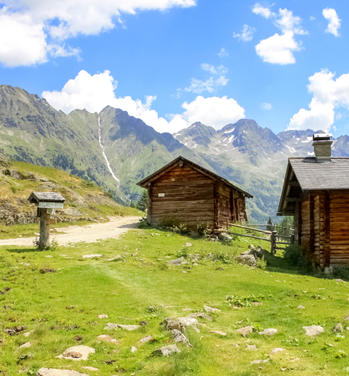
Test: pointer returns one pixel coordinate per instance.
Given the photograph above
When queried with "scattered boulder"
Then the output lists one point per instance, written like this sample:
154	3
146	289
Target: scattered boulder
47	270
245	331
25	345
103	316
108	339
166	350
313	330
92	256
268	332
146	339
133	349
251	347
338	328
276	350
188	244
246	260
178	336
201	315
58	372
209	309
111	326
116	258
225	237
14	330
178	261
300	307
219	332
257	251
181	323
79	352
346	318
129	328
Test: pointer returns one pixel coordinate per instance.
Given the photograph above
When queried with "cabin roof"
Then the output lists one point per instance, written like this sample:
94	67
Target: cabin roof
154	176
36	197
309	174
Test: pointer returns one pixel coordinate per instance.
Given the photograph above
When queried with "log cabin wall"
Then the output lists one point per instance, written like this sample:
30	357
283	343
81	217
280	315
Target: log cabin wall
224	210
339	227
305	231
182	195
325	227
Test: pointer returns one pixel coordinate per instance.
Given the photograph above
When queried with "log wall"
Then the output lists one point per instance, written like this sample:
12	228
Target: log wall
184	195
339	227
325	227
187	198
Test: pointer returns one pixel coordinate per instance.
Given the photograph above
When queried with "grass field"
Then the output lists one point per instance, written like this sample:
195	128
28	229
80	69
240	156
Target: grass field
60	308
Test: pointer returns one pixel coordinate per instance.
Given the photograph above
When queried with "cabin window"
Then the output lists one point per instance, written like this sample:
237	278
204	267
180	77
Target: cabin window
161	194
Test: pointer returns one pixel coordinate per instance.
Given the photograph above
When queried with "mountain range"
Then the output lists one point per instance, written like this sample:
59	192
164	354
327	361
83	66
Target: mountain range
116	150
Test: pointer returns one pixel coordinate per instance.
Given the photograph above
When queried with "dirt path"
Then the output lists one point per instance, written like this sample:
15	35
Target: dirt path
89	233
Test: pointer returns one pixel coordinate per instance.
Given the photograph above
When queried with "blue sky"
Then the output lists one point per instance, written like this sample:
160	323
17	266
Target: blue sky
173	62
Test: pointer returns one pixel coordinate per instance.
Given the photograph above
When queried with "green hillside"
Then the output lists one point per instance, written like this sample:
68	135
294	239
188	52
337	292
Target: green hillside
85	201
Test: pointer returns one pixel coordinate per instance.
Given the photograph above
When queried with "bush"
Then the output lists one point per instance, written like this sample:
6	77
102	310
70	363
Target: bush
294	254
341	271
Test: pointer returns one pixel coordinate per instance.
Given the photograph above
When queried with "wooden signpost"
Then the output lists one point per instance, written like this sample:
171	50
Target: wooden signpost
47	203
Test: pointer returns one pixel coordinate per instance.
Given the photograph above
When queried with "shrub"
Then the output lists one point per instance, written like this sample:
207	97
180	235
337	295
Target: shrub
341	271
294	254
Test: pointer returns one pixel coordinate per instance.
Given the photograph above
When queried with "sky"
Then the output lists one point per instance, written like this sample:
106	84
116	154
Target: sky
174	62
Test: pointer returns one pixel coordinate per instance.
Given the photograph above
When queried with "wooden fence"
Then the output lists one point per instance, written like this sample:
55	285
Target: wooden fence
275	239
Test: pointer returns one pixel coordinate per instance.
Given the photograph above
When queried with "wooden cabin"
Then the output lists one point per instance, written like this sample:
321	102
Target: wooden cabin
316	193
185	193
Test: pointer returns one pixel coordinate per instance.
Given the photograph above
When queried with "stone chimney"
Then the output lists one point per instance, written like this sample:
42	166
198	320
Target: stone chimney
322	146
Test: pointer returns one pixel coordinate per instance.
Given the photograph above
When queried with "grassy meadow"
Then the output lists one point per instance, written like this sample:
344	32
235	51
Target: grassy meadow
57	296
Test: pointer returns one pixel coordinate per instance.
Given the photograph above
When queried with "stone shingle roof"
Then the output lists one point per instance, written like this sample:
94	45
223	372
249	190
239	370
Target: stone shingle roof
314	175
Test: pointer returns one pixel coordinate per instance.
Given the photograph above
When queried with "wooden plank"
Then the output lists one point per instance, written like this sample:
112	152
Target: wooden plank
251	228
248	236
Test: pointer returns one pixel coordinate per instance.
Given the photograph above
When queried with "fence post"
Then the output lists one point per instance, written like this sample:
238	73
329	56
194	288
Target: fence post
292	240
273	242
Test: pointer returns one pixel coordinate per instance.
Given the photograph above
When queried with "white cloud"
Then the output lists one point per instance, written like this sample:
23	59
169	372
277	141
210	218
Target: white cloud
27	25
223	52
287	22
85	91
334	22
22	41
329	95
262	11
94	92
266	106
279	48
213	111
246	34
217	79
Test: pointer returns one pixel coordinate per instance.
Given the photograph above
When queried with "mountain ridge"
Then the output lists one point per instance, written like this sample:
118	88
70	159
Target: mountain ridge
243	152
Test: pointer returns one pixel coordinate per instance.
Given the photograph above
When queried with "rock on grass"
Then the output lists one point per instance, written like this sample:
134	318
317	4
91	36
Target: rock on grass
79	352
58	372
245	331
268	332
166	350
313	330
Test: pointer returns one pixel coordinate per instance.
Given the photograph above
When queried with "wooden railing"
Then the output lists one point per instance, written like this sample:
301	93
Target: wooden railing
271	236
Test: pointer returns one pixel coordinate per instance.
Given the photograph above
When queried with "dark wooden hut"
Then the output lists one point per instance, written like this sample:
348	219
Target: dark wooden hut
316	193
186	193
